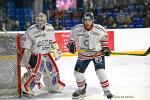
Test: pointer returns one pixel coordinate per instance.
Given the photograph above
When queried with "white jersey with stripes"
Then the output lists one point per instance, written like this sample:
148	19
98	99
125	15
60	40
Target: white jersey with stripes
39	41
92	40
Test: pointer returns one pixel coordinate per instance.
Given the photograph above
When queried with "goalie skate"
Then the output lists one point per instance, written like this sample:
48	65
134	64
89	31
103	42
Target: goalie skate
26	94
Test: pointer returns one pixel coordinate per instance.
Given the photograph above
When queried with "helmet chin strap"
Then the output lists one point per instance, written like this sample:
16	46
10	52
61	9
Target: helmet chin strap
90	28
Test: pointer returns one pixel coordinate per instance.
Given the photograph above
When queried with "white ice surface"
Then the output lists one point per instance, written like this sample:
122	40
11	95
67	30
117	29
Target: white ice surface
129	78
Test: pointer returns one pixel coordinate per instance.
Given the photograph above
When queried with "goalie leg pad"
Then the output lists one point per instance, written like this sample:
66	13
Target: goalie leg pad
51	75
27	89
52	83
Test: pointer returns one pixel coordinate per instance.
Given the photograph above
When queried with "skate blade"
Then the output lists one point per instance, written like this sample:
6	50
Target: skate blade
79	97
27	94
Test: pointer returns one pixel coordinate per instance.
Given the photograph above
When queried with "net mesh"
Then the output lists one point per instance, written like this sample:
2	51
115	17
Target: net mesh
8	65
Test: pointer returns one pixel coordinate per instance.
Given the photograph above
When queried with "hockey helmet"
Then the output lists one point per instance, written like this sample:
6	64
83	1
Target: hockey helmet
41	20
88	16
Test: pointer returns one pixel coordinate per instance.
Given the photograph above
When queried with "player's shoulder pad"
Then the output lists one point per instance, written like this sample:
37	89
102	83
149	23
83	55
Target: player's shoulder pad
32	27
99	27
78	27
49	27
31	30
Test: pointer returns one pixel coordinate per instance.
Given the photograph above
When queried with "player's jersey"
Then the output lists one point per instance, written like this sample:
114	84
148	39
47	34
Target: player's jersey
92	40
39	41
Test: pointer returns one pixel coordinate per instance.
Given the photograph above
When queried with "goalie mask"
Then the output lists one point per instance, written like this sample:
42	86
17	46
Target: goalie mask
41	20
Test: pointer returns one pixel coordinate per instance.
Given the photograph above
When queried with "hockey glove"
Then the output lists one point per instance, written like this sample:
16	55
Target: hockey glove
106	51
72	47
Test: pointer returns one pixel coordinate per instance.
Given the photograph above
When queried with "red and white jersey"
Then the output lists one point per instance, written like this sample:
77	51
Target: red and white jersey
92	40
39	41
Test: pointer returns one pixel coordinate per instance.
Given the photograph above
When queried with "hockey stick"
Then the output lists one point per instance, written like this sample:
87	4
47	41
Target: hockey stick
147	52
79	51
131	54
119	53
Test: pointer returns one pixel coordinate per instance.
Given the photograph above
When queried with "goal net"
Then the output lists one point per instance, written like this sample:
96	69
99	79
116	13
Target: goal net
10	72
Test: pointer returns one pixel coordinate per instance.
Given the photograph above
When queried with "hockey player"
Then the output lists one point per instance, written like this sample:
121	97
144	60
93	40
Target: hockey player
37	43
92	43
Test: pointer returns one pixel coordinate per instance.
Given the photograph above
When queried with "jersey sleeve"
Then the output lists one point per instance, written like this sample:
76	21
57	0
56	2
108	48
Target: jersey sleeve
53	36
52	32
104	39
27	40
73	36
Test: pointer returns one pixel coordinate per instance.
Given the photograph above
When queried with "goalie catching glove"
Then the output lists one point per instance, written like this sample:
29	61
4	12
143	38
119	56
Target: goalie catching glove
57	54
106	51
56	51
72	47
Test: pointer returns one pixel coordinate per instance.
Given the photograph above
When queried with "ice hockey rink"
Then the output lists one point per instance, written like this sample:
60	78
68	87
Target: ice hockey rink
128	76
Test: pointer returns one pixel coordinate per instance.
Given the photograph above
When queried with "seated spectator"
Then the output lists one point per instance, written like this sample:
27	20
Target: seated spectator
109	21
100	20
147	20
27	25
15	26
8	23
1	21
59	13
121	18
146	8
88	5
57	25
127	21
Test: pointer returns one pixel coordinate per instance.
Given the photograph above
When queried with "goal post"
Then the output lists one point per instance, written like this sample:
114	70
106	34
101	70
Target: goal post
10	69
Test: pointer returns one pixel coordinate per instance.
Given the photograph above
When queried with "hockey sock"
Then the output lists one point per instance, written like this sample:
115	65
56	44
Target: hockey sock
103	79
80	79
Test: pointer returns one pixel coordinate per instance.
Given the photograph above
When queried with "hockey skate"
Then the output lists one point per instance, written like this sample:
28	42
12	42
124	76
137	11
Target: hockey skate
108	94
26	94
79	93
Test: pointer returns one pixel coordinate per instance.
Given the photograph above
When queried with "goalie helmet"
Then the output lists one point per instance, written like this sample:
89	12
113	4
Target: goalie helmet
41	20
88	16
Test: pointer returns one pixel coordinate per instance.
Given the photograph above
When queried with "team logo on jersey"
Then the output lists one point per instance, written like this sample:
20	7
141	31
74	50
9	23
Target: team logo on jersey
98	60
94	33
44	43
